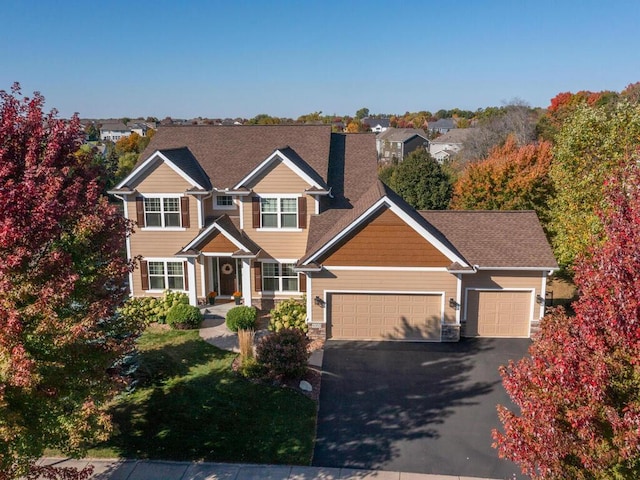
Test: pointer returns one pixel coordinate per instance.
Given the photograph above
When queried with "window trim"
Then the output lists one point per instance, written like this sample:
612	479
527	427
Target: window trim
217	206
279	213
279	276
162	196
165	274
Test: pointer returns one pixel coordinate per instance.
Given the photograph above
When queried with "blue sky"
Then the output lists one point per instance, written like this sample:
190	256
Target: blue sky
287	58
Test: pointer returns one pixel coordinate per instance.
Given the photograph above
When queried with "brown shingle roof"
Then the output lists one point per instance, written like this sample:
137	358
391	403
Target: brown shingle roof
229	153
495	238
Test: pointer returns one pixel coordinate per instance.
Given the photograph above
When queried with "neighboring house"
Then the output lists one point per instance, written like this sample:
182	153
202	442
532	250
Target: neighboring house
442	125
140	128
397	143
448	145
114	131
376	125
286	211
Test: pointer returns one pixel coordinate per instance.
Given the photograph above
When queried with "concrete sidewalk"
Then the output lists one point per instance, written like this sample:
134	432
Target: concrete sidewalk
115	469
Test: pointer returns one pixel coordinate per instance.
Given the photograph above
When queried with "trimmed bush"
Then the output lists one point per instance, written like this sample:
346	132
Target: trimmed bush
290	313
250	368
169	300
184	317
241	318
284	353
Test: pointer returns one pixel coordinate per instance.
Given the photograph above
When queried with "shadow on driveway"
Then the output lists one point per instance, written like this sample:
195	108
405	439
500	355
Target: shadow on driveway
414	407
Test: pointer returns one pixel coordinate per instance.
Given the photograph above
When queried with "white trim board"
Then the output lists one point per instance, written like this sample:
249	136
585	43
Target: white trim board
277	155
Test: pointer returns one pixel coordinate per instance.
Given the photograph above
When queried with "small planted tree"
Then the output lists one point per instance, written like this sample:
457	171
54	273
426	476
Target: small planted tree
579	393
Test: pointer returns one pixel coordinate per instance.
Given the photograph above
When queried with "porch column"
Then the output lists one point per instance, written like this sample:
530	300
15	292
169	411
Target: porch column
246	281
191	275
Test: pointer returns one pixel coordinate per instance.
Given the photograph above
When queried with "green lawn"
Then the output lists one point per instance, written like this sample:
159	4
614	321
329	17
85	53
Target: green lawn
191	406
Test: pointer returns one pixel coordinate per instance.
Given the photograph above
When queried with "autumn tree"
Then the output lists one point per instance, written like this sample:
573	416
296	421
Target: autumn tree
579	392
62	275
512	177
593	144
420	181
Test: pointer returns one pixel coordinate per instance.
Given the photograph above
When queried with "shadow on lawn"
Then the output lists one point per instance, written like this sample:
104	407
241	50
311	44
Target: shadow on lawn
378	396
191	406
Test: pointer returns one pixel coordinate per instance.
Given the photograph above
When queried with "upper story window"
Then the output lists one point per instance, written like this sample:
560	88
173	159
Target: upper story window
224	201
279	212
163	212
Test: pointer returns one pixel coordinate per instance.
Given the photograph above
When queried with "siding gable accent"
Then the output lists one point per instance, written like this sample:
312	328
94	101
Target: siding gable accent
292	161
218	243
156	157
385	240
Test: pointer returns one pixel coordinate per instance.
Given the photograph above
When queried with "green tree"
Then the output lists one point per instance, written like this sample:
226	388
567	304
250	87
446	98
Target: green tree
593	144
62	276
421	182
363	112
92	132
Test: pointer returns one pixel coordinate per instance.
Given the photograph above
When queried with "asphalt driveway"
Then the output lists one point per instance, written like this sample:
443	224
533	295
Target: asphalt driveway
414	407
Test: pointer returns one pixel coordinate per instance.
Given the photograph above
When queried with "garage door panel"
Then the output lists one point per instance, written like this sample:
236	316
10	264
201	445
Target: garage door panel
498	313
384	316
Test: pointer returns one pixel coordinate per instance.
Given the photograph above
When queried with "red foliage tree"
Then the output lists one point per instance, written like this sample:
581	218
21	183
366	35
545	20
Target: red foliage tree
62	275
579	393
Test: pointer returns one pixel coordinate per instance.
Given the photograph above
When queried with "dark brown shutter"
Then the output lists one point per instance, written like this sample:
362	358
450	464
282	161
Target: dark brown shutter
255	202
302	212
303	282
144	275
257	276
186	275
184	211
140	211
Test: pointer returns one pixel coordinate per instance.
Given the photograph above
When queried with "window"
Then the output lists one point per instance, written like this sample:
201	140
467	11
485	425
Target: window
279	212
166	275
224	201
162	212
279	277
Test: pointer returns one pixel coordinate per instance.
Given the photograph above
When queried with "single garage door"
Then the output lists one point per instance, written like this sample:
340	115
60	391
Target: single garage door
366	316
498	313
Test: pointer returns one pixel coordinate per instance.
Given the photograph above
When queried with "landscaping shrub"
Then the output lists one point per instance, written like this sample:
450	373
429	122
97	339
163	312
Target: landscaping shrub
184	317
241	318
284	353
251	368
169	300
143	308
290	313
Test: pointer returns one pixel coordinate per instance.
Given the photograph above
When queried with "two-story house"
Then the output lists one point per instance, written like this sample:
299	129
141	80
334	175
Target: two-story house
285	211
394	144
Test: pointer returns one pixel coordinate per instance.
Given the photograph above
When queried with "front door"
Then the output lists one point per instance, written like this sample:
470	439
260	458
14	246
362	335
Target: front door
227	276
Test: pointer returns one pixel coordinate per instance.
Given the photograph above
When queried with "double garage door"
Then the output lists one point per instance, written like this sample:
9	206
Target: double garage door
368	316
498	313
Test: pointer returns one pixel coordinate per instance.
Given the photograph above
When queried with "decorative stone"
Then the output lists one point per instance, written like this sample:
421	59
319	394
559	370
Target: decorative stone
305	386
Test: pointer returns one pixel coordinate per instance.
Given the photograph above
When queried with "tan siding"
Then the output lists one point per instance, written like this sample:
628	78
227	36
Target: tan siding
162	179
161	243
219	243
283	244
386	240
381	281
279	178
